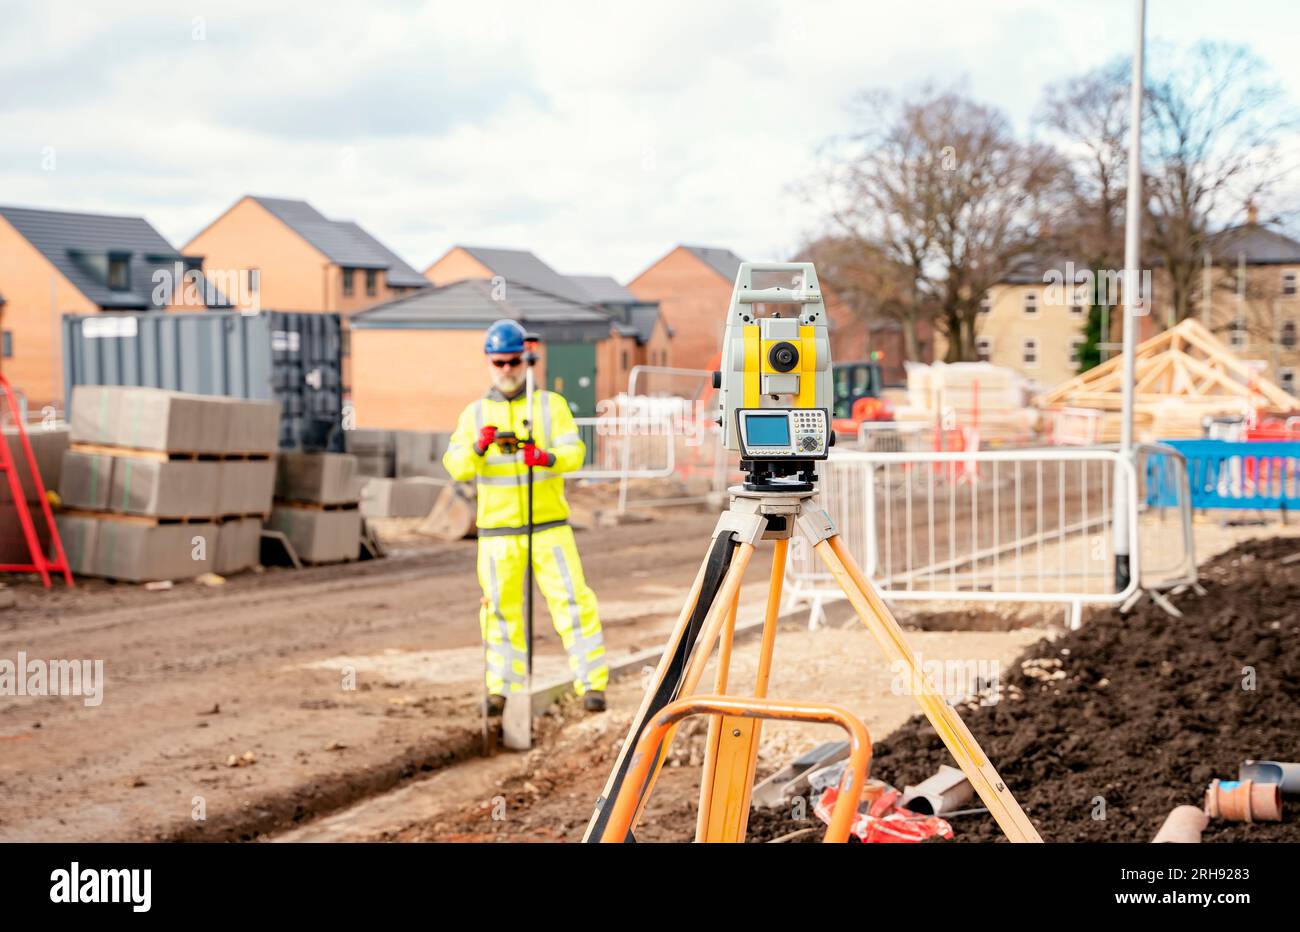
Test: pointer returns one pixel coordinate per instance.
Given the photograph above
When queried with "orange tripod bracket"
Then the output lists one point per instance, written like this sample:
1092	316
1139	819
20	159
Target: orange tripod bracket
648	748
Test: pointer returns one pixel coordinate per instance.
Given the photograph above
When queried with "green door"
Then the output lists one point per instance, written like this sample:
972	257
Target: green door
571	371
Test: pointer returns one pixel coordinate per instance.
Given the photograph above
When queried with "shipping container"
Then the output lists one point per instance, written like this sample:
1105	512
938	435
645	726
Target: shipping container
292	358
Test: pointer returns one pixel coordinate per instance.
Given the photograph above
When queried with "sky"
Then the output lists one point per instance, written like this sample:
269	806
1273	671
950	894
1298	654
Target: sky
597	135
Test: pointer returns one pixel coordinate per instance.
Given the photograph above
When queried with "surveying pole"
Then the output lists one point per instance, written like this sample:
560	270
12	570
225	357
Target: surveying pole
1132	296
517	718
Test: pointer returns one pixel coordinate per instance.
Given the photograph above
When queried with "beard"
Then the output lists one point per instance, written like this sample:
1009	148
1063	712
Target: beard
508	384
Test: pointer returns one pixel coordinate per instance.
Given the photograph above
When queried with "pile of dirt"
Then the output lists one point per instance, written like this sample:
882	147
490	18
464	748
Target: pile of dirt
1134	714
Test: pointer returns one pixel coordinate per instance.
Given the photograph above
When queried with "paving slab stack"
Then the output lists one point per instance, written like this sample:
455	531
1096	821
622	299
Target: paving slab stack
316	506
48	442
159	484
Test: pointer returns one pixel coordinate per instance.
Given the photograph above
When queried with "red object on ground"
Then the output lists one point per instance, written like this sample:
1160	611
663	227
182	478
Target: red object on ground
864	410
885	822
40	563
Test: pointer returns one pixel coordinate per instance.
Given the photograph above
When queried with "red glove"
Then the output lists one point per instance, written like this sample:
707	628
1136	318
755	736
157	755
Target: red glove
487	435
536	456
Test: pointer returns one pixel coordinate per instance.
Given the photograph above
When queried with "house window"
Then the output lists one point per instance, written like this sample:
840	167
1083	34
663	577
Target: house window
624	360
347	282
7	344
1286	378
1076	344
1237	334
1288	284
1288	335
119	273
1029	353
986	304
983	348
1031	304
372	282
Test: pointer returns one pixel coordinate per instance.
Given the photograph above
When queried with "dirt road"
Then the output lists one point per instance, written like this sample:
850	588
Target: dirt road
195	677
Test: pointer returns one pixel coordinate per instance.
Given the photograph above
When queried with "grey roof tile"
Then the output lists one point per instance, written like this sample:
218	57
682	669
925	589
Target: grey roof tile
400	274
1260	246
603	289
523	267
79	244
477	302
343	242
723	261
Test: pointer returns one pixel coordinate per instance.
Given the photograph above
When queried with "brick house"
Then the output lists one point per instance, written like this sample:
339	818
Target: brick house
692	285
300	260
639	335
418	360
55	262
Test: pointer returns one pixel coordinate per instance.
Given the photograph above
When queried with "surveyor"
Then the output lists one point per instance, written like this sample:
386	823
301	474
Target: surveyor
501	478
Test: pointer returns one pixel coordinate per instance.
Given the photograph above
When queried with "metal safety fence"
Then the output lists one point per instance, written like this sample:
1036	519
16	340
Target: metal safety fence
1025	525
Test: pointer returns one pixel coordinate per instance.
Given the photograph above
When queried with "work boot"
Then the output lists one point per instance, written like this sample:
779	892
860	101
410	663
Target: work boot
494	706
594	701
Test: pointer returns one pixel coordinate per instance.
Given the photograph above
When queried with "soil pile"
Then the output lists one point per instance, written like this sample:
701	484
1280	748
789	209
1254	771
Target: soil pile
1135	714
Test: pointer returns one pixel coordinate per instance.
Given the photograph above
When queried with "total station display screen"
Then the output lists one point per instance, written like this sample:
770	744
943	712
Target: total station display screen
766	430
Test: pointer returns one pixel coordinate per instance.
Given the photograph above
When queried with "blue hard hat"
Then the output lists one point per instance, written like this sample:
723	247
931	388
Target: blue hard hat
505	336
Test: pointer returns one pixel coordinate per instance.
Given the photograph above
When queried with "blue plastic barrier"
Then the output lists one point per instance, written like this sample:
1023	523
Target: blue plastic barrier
1226	474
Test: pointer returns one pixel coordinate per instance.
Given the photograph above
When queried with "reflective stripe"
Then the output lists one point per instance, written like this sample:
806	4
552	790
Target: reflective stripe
478	416
504	648
579	646
546	418
567	438
510	531
521	479
457	446
502	459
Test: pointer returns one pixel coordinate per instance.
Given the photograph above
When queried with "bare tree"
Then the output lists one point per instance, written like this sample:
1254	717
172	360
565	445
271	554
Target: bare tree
1088	116
1215	121
872	287
939	186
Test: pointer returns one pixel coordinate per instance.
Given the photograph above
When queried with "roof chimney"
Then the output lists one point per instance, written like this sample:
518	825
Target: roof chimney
1252	212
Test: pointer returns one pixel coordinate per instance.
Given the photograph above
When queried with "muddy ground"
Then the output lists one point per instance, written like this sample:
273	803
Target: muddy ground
196	675
256	671
1148	710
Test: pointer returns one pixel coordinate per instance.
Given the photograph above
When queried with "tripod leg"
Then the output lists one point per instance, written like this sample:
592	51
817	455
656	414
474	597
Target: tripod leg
716	723
952	730
732	751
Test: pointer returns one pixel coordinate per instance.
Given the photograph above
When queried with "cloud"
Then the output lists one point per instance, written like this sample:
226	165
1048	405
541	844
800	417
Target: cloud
599	135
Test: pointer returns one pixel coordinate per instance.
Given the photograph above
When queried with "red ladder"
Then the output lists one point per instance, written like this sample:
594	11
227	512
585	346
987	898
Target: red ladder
40	563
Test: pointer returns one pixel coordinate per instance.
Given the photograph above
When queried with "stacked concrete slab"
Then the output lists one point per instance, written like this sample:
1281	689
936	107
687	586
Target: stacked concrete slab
399	498
316	506
398	454
162	485
373	449
48	443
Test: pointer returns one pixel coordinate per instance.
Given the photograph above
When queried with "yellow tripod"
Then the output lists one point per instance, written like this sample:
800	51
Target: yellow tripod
709	616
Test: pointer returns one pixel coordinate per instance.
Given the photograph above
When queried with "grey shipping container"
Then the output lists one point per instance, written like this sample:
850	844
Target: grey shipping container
292	358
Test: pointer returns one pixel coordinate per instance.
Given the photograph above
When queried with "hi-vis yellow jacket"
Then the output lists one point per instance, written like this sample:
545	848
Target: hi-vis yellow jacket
502	478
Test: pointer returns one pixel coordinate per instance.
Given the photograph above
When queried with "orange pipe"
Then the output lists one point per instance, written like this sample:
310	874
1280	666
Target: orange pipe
625	805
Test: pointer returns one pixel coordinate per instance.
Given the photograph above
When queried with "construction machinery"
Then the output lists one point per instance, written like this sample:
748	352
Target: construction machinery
775	390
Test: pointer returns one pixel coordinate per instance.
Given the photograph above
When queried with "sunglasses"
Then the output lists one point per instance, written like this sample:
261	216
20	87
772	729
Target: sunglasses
507	363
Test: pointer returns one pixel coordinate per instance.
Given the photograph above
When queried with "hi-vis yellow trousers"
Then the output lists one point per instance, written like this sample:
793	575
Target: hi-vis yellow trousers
501	563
